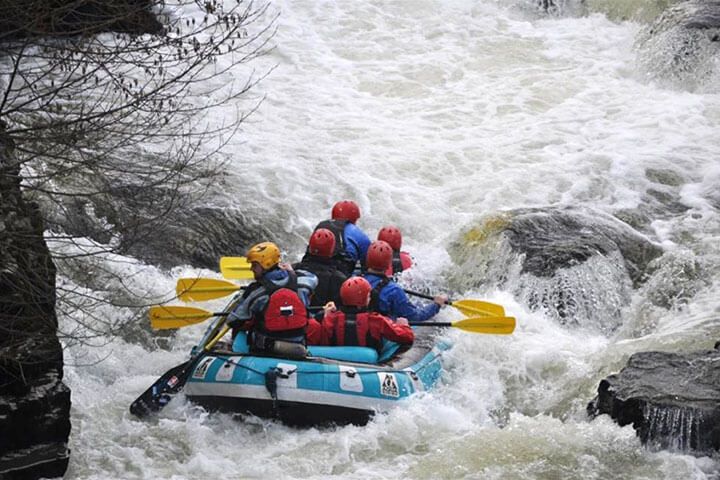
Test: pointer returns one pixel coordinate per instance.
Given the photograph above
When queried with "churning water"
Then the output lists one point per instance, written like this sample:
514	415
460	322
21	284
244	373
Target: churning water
432	114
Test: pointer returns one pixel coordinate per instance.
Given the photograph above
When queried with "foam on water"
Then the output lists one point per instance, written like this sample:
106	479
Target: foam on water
430	114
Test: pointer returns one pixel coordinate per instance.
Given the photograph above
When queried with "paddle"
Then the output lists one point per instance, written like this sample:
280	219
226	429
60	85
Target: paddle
166	317
199	289
159	393
237	268
469	307
490	325
177	317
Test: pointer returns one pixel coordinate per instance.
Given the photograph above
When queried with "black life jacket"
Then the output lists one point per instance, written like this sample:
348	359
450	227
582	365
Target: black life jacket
340	257
356	331
374	305
329	279
284	315
397	265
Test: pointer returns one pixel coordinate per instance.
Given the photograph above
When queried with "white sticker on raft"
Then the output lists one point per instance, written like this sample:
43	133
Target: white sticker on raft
289	370
227	371
388	385
202	368
350	381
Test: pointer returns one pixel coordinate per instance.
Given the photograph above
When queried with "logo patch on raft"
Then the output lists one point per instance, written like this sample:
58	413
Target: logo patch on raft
202	368
388	385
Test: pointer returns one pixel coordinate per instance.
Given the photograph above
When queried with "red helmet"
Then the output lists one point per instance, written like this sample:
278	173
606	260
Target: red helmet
379	256
322	243
355	292
346	210
392	236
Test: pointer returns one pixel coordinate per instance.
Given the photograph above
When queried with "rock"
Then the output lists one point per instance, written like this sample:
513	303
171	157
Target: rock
22	18
552	239
34	402
161	226
198	236
578	265
671	399
682	45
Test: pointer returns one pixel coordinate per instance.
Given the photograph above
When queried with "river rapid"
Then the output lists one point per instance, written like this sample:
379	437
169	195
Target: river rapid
432	114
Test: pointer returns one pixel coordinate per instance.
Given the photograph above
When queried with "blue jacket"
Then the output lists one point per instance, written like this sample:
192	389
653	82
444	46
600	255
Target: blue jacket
356	242
395	303
255	297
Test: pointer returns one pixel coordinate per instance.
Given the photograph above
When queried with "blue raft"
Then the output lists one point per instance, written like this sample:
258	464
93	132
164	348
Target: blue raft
332	385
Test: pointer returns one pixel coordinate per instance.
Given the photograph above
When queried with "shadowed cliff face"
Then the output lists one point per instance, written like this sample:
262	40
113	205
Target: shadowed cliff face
34	402
53	18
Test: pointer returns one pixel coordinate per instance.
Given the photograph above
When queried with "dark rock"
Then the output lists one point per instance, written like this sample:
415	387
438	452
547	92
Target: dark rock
578	265
552	239
161	226
662	201
672	400
665	176
681	46
34	403
48	18
198	236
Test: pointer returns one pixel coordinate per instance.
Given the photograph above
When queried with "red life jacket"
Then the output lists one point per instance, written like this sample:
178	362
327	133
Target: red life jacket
353	329
285	313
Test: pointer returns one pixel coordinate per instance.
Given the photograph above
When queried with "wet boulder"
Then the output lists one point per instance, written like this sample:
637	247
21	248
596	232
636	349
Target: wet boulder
579	265
683	44
671	399
161	226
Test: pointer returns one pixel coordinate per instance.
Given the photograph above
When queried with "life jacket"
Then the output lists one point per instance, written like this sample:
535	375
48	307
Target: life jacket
285	314
374	305
401	261
329	279
340	257
356	331
397	265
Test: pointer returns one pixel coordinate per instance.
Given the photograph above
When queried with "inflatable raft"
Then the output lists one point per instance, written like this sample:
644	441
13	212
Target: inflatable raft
332	385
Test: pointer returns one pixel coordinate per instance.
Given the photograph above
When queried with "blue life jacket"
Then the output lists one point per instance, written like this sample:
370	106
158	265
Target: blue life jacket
390	299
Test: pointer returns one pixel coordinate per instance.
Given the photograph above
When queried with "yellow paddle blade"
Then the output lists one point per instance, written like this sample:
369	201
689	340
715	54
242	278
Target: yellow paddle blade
199	289
479	308
491	325
237	268
165	317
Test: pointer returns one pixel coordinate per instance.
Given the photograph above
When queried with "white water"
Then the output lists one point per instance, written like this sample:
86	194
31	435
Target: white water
431	114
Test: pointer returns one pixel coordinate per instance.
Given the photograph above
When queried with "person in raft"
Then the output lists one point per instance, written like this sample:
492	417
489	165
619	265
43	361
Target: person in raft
274	307
387	296
353	325
318	260
401	261
351	243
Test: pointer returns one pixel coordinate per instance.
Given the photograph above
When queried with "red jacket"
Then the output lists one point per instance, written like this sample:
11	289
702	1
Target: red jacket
370	330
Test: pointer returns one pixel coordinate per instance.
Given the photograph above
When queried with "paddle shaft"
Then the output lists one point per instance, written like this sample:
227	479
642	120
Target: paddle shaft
430	324
422	295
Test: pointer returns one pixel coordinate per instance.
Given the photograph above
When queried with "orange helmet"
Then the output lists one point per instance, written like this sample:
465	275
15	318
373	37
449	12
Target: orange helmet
322	243
392	236
346	210
355	292
379	256
267	254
